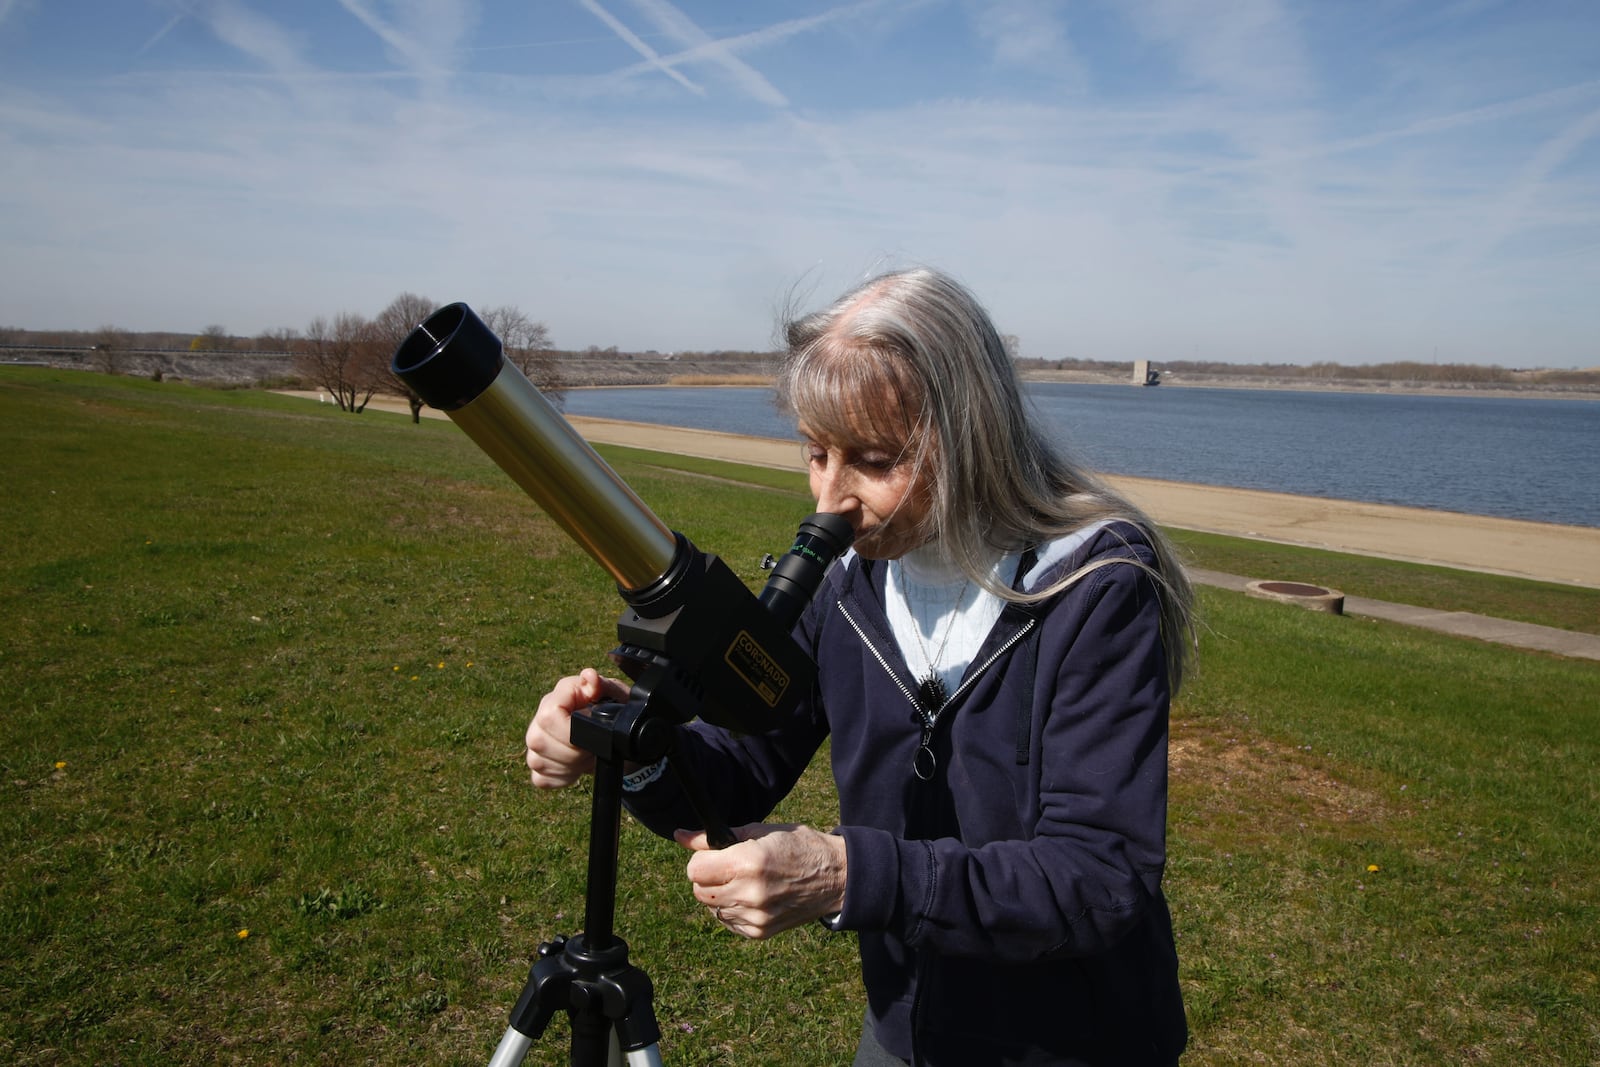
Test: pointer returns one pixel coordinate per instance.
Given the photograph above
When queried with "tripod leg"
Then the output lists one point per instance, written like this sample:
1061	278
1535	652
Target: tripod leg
607	1001
649	1056
512	1048
594	1044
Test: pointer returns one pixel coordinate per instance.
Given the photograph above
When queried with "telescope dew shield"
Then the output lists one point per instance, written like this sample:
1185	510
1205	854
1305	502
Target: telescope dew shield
456	364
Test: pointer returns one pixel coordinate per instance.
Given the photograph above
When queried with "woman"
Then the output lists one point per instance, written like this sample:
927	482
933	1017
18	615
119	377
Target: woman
995	659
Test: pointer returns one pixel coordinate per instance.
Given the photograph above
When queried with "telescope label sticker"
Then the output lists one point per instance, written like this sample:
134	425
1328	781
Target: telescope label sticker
758	669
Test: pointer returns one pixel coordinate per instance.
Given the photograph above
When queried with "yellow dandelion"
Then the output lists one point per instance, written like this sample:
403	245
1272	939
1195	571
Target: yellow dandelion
61	764
441	665
1373	868
243	934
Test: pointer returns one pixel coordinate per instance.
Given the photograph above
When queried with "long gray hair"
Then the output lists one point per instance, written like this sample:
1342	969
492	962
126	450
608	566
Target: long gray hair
998	484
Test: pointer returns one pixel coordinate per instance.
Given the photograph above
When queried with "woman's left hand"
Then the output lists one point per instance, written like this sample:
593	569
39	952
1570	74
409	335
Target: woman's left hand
774	879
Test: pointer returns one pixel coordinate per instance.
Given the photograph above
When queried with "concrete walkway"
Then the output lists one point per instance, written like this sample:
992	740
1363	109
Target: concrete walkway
1458	623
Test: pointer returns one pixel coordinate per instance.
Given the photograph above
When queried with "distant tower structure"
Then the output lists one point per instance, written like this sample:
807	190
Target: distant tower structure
1143	375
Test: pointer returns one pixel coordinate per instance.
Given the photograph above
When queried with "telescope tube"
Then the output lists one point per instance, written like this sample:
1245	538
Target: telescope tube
456	364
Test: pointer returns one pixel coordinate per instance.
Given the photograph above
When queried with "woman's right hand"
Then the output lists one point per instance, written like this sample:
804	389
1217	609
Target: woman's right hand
553	759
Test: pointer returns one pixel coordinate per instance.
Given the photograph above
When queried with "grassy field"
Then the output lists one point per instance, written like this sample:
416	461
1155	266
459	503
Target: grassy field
266	670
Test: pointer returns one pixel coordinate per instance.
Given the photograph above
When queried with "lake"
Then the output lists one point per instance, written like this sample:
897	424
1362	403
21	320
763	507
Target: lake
1525	458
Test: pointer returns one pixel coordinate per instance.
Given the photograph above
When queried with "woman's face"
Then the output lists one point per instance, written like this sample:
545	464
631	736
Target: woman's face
881	488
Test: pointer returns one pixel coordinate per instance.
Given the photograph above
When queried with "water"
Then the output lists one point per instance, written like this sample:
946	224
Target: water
1525	458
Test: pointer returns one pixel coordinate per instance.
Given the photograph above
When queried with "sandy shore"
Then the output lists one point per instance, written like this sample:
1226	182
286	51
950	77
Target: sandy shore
1543	551
1567	554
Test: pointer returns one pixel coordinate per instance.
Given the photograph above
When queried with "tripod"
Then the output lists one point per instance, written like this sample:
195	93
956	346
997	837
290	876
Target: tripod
607	999
695	641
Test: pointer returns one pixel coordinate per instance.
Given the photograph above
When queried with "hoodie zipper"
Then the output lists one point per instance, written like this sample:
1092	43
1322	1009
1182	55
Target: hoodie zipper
929	722
923	764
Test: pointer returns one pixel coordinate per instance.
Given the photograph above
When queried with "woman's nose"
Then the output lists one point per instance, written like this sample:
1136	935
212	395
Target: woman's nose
833	492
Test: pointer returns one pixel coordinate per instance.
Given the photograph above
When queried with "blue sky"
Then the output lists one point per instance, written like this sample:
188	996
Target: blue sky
1246	180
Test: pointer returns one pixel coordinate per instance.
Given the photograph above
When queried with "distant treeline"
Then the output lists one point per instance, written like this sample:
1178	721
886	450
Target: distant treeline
720	355
216	340
1402	371
12	337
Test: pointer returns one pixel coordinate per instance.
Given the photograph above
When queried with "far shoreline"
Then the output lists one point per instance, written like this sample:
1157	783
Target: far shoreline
1367	388
1518	548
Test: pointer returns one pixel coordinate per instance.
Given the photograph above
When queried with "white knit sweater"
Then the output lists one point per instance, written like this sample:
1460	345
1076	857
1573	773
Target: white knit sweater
938	615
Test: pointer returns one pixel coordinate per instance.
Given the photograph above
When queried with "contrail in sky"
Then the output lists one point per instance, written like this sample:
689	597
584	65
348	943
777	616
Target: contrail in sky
639	46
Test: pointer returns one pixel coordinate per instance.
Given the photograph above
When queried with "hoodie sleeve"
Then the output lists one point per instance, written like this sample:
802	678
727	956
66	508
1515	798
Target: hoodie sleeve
744	776
1088	865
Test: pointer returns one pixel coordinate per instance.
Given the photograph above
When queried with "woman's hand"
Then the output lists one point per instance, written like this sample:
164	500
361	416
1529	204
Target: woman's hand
774	879
555	762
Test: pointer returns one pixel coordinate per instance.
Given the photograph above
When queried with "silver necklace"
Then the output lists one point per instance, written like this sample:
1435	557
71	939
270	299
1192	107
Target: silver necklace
932	694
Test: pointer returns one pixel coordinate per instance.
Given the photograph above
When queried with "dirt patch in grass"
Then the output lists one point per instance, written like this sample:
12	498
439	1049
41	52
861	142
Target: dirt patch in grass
1260	788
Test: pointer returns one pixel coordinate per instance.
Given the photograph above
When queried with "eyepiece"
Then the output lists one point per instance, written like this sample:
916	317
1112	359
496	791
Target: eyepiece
794	581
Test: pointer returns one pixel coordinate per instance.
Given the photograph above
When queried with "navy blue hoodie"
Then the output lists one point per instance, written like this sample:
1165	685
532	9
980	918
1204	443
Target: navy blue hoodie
1009	909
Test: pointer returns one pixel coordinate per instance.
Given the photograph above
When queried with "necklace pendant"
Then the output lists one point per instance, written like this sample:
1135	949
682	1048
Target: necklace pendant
931	693
931	697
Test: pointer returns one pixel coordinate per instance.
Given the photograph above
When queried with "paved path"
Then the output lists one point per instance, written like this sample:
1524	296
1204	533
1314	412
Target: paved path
1458	623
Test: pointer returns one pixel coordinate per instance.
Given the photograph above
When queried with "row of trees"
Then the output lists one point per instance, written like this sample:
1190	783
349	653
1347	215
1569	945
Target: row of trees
348	355
1399	371
214	338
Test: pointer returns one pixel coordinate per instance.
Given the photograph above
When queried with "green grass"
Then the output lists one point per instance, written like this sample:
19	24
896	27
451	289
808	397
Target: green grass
1565	607
267	666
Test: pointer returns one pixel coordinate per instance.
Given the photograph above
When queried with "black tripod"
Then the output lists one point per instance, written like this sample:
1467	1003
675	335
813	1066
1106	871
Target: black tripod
588	975
686	662
695	641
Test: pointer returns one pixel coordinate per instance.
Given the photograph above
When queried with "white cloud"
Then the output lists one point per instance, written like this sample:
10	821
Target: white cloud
1223	201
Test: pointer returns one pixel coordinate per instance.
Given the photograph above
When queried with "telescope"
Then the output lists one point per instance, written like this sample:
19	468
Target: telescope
694	640
686	607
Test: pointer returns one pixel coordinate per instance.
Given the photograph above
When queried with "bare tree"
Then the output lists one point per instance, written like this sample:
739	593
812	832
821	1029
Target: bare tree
111	344
212	339
279	340
527	344
341	357
392	326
